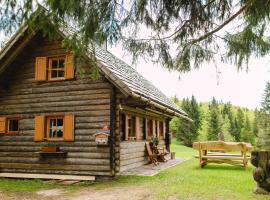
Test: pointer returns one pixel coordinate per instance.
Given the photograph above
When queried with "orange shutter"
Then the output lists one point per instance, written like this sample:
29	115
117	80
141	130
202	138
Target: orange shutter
3	121
40	73
69	67
39	128
69	128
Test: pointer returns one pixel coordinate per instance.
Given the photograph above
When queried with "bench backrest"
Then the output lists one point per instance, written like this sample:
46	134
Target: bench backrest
222	146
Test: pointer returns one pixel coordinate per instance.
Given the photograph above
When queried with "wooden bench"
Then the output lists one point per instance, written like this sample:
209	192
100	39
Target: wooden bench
217	152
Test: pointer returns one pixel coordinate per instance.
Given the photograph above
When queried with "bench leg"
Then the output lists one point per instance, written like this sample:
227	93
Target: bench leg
203	163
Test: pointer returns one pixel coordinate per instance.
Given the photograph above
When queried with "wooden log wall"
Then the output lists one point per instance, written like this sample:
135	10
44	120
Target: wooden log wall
129	154
24	97
133	154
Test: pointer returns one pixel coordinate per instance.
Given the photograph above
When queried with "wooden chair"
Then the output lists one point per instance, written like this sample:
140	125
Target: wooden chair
152	157
161	153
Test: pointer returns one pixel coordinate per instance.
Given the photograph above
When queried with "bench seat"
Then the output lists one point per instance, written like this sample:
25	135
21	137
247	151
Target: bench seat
216	152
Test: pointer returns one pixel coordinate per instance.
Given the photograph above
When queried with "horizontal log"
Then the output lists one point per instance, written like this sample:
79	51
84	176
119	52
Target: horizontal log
16	138
47	176
55	161
131	166
58	107
58	99
54	167
81	143
88	155
19	153
68	149
132	161
132	155
69	155
132	144
13	97
69	172
33	89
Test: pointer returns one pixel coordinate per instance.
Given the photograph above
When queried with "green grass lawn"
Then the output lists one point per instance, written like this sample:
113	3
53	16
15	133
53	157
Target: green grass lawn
185	181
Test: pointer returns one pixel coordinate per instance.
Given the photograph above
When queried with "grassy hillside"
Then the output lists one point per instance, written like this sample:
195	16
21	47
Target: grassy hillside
224	120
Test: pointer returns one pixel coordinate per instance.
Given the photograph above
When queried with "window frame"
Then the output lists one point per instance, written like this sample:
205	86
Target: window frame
150	123
8	119
161	130
131	127
47	125
49	67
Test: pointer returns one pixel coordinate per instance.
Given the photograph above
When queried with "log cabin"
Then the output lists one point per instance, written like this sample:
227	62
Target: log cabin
43	100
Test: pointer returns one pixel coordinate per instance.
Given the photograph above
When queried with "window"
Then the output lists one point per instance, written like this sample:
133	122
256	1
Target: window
56	69
13	125
55	128
9	125
150	128
161	130
130	127
141	128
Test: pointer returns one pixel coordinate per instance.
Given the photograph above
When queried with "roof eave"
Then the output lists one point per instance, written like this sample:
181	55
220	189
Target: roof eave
166	109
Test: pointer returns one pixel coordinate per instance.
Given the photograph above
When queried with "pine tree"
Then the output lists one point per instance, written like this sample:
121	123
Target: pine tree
240	119
188	131
235	130
255	122
197	36
246	134
214	124
264	121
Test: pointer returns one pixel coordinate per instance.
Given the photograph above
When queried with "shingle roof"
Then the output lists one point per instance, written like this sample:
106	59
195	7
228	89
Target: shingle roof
133	79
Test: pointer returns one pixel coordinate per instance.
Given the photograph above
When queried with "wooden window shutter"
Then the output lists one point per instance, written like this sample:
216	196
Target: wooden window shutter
69	67
3	122
69	128
41	69
39	128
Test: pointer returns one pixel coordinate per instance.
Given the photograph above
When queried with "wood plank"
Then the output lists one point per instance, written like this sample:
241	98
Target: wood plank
47	176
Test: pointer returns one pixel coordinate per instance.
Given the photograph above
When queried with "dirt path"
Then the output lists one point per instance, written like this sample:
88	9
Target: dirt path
117	193
89	193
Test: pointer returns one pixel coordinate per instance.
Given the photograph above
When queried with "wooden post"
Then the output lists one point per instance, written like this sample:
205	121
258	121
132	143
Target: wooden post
146	128
158	131
154	128
167	136
126	126
112	131
137	128
164	130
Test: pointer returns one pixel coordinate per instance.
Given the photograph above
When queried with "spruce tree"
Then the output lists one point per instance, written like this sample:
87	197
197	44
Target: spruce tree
264	121
188	131
234	130
193	26
255	127
246	134
214	123
240	119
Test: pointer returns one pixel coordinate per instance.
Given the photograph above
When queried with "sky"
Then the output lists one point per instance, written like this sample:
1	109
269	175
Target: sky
222	81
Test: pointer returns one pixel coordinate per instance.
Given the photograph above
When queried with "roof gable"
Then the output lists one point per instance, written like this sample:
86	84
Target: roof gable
127	79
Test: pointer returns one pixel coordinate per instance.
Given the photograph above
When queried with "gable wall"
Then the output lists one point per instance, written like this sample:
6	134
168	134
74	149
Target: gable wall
88	100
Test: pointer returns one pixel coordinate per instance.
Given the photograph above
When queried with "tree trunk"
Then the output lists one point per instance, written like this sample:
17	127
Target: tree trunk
261	174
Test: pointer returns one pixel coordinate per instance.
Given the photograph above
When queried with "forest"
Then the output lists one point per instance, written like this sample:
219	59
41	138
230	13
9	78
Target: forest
215	120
